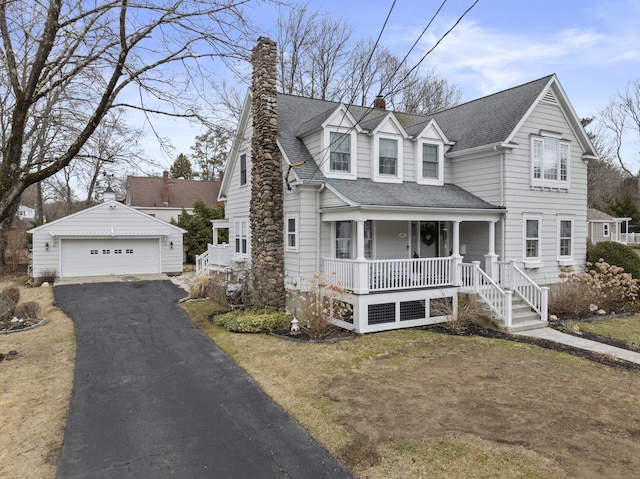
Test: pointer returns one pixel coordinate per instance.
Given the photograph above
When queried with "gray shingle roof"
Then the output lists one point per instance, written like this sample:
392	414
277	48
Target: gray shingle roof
484	121
366	192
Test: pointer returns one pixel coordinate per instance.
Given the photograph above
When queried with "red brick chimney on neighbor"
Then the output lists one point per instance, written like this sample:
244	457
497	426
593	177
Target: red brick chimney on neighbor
165	188
379	103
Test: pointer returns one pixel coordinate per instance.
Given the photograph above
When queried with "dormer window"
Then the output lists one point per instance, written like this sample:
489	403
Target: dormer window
388	157
340	151
430	161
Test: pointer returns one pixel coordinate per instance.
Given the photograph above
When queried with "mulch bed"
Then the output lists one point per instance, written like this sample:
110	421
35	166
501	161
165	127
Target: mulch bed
606	359
333	333
14	325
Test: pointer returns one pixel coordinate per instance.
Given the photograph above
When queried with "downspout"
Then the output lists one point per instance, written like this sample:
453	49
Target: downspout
501	150
318	222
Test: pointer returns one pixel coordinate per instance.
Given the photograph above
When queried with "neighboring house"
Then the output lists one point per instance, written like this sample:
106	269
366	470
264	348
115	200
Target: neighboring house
404	210
109	238
604	227
164	198
26	214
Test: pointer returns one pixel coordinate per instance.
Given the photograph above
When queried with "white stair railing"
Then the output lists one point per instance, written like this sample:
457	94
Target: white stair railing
513	278
202	263
497	299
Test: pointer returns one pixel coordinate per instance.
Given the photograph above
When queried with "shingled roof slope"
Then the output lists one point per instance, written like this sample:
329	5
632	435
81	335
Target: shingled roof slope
145	191
485	121
366	192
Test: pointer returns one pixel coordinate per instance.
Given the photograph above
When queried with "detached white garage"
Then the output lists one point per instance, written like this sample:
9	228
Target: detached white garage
107	239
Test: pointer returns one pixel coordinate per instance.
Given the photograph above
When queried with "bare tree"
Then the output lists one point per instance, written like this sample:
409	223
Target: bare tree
91	57
620	122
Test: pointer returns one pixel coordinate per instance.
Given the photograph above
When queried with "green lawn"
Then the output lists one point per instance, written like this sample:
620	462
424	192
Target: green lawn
626	328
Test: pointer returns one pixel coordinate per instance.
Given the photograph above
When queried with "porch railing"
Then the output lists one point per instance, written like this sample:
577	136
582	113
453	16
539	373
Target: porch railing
513	278
500	301
389	274
218	255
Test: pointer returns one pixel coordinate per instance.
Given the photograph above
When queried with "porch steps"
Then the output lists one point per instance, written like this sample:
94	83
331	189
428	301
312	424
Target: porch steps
522	319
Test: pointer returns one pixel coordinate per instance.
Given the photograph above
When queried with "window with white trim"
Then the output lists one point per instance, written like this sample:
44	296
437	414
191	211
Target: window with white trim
243	169
549	162
430	161
340	152
368	239
343	239
605	230
532	236
292	233
241	235
565	238
388	157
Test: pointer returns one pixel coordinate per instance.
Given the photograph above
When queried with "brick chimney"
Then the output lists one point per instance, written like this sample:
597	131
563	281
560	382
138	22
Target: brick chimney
379	103
165	188
266	212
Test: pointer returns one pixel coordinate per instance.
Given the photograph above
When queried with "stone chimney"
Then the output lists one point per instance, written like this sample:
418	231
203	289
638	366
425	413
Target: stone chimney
266	213
379	103
165	188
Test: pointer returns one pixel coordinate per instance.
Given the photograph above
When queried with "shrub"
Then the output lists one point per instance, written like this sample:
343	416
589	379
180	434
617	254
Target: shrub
200	287
320	305
252	321
9	298
605	285
615	254
469	312
47	276
28	310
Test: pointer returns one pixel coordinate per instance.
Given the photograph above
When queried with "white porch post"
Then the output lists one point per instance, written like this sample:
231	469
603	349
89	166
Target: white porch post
360	266
456	259
491	258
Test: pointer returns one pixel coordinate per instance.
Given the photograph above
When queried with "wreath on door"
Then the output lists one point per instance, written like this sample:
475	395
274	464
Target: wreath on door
429	234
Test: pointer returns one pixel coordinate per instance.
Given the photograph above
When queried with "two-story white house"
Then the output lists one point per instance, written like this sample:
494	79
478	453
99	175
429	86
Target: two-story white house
406	209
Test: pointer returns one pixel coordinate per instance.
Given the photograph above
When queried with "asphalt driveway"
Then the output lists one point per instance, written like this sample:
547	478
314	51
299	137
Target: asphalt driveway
154	397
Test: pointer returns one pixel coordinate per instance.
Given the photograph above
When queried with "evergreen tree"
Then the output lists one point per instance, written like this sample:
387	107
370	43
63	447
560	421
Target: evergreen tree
625	207
198	226
181	168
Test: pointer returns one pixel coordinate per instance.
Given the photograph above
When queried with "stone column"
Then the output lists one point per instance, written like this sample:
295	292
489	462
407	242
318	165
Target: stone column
266	214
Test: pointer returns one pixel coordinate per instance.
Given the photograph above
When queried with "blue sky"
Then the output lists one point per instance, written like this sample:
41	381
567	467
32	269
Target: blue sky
592	45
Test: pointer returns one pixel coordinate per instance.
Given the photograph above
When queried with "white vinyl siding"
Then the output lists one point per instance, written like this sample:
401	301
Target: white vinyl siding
107	226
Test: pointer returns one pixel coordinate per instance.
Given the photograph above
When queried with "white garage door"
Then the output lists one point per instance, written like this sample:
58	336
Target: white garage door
95	257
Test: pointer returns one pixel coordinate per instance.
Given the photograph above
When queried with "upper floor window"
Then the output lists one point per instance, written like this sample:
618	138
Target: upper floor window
340	151
549	162
430	161
243	169
388	157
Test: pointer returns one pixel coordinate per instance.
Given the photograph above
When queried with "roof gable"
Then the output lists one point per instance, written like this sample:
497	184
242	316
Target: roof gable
113	206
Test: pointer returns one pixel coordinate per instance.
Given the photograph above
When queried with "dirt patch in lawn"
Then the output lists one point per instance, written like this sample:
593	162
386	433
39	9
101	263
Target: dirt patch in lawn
35	386
416	403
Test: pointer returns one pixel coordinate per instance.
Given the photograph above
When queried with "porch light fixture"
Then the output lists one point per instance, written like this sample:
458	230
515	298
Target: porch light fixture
46	246
171	245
